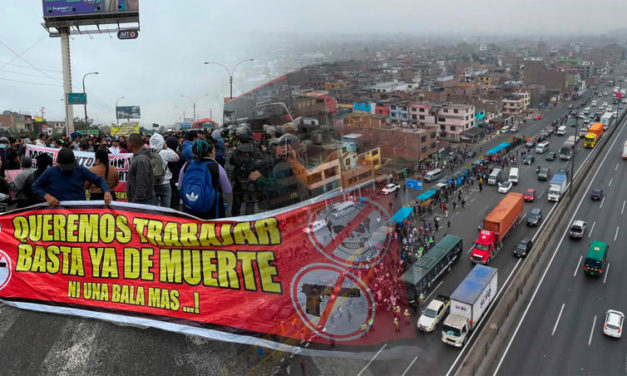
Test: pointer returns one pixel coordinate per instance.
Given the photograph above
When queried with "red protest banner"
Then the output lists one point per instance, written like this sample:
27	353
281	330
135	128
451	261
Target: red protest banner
325	271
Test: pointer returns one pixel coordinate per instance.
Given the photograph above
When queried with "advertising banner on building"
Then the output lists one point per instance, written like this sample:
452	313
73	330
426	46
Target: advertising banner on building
88	159
325	273
84	8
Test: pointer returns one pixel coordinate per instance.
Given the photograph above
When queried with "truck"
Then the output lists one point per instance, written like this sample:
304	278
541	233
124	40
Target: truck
594	134
557	187
434	313
566	151
496	225
625	150
606	119
469	302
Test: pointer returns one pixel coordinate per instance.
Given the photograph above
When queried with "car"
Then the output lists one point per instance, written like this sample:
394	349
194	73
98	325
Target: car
537	117
505	186
434	313
620	106
514	129
551	156
596	194
531	143
549	130
470	153
535	217
561	130
563	171
544	174
604	104
529	159
577	229
390	188
530	195
505	129
543	134
523	247
613	325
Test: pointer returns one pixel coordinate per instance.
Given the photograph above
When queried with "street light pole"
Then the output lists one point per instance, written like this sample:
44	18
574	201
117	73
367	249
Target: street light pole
193	102
84	92
230	72
117	119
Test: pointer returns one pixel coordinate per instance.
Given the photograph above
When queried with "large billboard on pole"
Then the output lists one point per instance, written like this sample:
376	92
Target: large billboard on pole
128	112
89	8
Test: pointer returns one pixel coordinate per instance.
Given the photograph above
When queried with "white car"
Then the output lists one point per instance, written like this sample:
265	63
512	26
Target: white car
613	325
514	129
604	104
390	188
505	186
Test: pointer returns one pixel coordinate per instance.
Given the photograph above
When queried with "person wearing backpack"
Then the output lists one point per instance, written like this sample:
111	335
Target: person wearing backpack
203	183
140	182
29	196
163	191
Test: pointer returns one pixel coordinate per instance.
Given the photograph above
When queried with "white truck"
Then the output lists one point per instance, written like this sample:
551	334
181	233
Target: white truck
434	313
566	151
557	187
469	302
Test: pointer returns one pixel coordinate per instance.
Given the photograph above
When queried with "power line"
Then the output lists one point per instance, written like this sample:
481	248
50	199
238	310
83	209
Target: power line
5	63
26	61
22	73
29	82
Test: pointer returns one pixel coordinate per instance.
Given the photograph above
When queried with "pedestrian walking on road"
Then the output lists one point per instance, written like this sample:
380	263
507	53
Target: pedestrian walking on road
454	205
396	327
407	316
448	224
463	203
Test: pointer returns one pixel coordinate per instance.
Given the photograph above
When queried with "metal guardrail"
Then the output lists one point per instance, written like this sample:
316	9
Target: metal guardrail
488	344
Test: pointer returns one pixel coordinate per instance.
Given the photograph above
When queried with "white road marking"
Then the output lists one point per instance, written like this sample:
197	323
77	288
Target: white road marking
606	272
616	168
616	234
540	195
371	359
558	319
594	322
408	367
523	216
623	209
578	263
592	229
436	287
535	292
602	201
610	183
469	250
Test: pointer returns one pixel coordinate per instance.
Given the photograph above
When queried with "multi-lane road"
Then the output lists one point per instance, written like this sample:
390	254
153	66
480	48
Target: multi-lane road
429	354
562	330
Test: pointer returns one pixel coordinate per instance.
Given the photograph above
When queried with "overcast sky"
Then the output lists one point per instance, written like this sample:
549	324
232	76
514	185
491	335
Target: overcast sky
166	61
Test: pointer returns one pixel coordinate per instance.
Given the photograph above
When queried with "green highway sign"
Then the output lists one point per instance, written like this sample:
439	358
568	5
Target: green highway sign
76	98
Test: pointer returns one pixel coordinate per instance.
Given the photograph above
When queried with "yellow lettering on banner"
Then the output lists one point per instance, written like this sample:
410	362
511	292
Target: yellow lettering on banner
208	236
127	294
88	230
188	235
34	231
225	234
248	273
227	276
163	298
59	228
138	264
171	234
107	228
124	234
104	262
209	268
192	270
140	226
170	266
73	226
24	257
39	260
267	272
243	234
268	231
96	291
20	226
147	264
47	228
154	232
53	263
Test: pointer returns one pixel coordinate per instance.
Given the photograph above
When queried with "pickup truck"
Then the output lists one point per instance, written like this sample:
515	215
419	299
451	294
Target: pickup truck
469	302
434	313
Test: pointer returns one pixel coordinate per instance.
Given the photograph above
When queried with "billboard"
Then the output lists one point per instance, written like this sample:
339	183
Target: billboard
127	112
89	8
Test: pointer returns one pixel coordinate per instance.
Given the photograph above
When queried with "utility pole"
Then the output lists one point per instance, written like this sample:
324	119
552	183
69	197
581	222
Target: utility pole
67	78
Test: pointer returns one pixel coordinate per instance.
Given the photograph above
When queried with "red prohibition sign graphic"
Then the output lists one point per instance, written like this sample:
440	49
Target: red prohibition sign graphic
323	294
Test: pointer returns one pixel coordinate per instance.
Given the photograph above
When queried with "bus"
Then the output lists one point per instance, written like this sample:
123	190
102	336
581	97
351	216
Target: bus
421	277
596	259
205	124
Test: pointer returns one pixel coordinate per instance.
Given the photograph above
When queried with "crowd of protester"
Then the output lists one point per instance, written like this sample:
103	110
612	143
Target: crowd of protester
212	173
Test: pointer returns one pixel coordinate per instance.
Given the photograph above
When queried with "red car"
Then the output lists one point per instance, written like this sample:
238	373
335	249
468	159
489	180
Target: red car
530	195
537	117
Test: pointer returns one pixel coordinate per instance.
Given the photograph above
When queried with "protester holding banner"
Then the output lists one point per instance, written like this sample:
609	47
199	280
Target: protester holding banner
140	182
66	182
4	146
104	169
30	197
17	185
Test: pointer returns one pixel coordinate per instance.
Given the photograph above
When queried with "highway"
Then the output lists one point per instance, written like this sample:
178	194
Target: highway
561	332
37	343
429	354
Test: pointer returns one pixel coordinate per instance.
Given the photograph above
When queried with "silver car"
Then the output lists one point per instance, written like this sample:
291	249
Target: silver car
613	325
